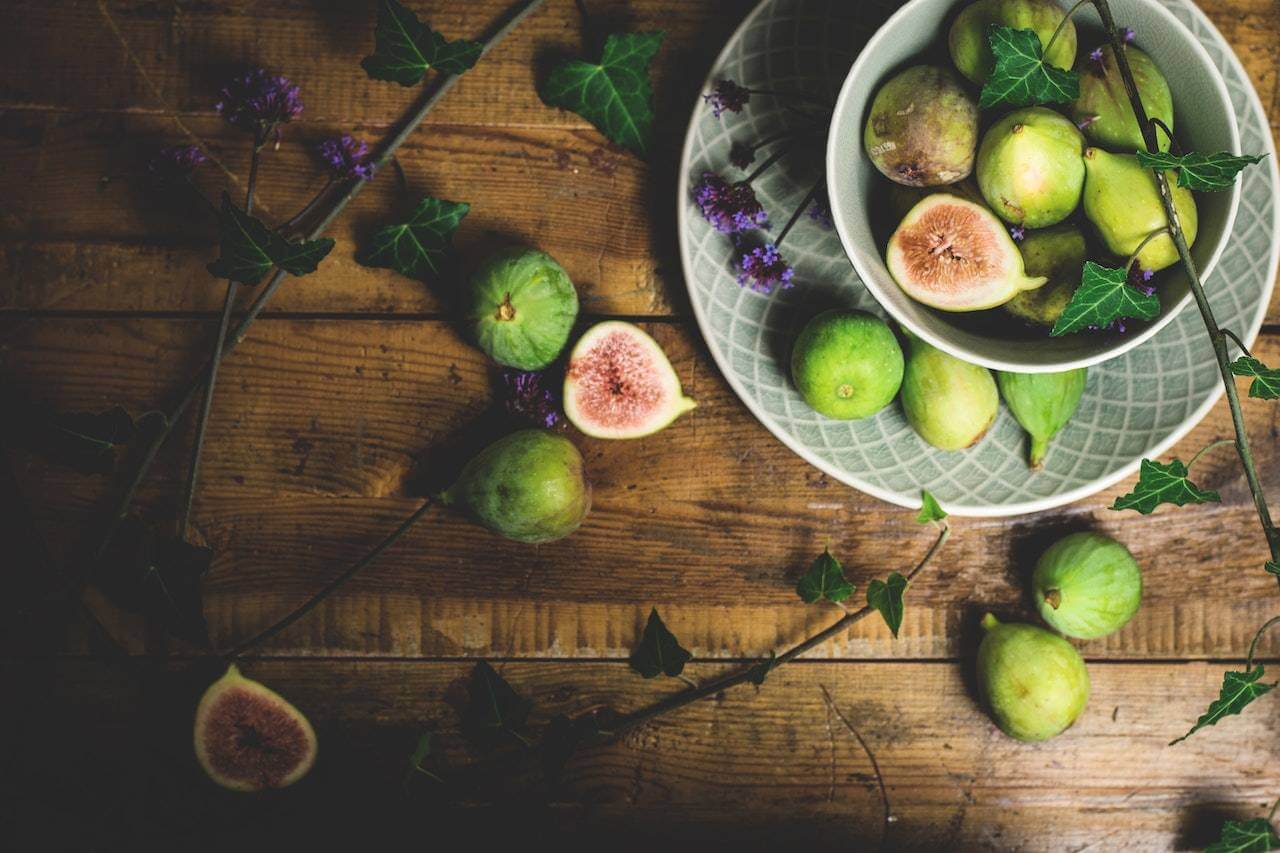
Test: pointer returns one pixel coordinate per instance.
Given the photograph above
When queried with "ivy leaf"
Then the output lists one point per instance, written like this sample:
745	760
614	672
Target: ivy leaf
88	442
659	652
929	509
886	596
1238	690
1104	296
157	576
760	671
1251	836
418	247
249	249
1021	77
1163	484
825	579
1273	567
494	711
1201	171
404	48
1266	380
614	94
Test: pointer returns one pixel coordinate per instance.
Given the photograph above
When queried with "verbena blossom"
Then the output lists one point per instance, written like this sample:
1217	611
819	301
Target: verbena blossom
257	101
729	208
820	210
764	270
1018	233
1127	35
177	161
1141	279
1086	121
347	157
1096	57
530	399
727	96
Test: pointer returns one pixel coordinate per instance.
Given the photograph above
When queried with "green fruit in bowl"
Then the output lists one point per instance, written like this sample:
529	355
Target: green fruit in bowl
948	402
1030	169
1087	585
922	128
1042	403
521	306
1058	254
953	255
847	364
1034	682
1122	201
971	49
1103	107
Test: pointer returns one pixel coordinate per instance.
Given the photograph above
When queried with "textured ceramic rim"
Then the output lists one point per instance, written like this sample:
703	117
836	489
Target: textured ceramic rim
972	511
1119	346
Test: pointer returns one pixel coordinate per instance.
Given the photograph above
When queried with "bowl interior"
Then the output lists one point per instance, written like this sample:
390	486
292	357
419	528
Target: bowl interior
1204	121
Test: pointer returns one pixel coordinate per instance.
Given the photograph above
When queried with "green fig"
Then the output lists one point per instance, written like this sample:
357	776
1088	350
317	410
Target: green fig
1042	403
1103	108
1058	254
950	403
922	128
847	364
1030	169
521	306
971	49
529	487
1033	681
1087	585
1122	201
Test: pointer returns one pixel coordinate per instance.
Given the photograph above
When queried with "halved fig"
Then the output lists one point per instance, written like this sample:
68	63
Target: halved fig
249	738
955	255
619	384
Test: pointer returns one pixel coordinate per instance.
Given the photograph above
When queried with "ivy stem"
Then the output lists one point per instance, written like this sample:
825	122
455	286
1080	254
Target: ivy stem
1234	337
1058	29
307	209
1213	445
1216	336
1253	647
328	589
1163	229
1173	143
1271	814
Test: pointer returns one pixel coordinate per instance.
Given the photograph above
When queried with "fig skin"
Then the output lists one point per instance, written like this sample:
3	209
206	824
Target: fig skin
1058	254
922	129
1030	168
1122	201
1034	682
847	364
529	487
1103	106
971	49
1042	403
520	306
948	402
1087	585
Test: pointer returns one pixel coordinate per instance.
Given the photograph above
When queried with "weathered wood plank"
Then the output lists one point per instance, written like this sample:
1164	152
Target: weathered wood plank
749	766
324	430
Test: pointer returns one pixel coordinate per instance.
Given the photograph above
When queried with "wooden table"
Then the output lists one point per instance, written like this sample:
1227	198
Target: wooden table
343	395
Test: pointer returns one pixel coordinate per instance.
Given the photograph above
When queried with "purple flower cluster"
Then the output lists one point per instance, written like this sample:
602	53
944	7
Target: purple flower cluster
1141	279
1127	35
177	161
1018	233
764	269
527	398
730	208
820	211
1097	58
257	101
347	157
727	96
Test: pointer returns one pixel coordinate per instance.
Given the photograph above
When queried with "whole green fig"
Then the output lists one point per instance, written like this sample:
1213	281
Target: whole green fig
1058	254
950	403
1029	167
1103	108
1042	403
1034	682
529	487
1087	585
847	364
1122	201
521	306
922	129
971	49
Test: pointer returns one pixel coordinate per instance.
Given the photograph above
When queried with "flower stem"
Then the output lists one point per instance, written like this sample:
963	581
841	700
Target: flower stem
799	211
307	209
769	161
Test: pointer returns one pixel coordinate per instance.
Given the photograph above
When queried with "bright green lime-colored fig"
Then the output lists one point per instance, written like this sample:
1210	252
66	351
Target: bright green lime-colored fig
1034	682
1122	201
954	255
971	49
529	487
1058	254
950	403
923	128
521	306
847	364
1030	168
1042	403
1087	585
1104	110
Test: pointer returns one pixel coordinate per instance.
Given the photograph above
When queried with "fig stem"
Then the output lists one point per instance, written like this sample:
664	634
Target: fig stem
1039	447
1053	598
1058	29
